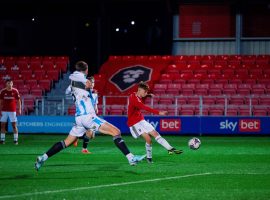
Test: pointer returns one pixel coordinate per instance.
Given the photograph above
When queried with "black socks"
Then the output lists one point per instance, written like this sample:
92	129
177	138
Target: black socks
120	143
56	148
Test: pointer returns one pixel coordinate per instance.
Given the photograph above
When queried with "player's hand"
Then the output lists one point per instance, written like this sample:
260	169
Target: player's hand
163	112
20	111
150	95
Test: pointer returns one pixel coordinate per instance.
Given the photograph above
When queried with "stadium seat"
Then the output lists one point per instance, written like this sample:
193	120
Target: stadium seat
49	65
193	101
23	65
24	91
53	74
72	110
186	112
26	74
35	65
188	89
207	81
39	74
237	100
37	93
258	89
61	65
216	112
244	112
46	84
229	89
166	99
205	112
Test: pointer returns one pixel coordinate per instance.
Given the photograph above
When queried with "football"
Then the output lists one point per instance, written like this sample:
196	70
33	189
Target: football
194	143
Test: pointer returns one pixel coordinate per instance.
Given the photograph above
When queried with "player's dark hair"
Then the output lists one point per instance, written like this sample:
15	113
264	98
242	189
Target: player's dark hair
81	66
8	80
144	86
91	78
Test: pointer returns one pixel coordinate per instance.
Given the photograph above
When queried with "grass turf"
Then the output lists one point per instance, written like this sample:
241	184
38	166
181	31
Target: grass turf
223	168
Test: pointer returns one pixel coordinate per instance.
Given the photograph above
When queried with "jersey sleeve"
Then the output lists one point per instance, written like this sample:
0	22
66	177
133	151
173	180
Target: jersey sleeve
139	104
68	91
1	95
17	95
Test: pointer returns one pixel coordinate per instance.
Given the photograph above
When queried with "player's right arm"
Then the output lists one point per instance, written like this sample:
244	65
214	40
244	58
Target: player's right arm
1	106
139	104
1	102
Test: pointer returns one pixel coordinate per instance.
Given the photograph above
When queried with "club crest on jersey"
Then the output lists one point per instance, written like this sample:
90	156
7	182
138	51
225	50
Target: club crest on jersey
125	78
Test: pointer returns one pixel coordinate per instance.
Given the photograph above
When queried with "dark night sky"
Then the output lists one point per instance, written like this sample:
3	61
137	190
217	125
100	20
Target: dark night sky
85	30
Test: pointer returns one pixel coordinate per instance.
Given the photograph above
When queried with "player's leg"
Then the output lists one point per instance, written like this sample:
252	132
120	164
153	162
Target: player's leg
15	132
148	147
13	120
75	143
164	143
109	129
86	138
75	132
4	119
57	147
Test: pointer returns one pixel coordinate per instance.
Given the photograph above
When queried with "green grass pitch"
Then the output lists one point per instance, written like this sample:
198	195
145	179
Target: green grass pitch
226	168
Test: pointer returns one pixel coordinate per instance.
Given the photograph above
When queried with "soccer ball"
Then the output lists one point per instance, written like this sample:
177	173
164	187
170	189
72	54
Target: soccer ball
194	143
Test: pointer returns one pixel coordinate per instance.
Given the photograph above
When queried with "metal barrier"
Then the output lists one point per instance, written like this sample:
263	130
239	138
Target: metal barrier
58	105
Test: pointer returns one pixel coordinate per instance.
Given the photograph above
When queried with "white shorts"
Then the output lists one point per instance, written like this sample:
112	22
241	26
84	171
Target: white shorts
140	128
11	115
86	122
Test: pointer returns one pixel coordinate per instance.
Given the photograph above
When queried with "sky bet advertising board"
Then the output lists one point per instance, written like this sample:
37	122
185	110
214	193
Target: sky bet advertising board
164	125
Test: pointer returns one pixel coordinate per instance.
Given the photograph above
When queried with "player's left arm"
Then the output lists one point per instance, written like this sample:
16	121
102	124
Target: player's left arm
19	103
19	106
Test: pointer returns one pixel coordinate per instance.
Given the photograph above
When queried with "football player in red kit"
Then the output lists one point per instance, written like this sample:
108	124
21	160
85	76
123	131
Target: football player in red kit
9	98
139	127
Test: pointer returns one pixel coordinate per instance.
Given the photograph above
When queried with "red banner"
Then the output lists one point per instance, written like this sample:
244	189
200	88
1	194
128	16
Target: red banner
123	77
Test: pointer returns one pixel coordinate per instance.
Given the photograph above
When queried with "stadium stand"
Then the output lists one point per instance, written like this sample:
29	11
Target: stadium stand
33	76
223	84
184	85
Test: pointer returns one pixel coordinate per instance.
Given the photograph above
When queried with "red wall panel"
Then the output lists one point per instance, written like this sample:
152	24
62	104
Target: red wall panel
206	21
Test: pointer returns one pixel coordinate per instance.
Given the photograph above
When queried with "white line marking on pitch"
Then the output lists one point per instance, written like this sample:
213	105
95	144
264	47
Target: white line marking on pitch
102	186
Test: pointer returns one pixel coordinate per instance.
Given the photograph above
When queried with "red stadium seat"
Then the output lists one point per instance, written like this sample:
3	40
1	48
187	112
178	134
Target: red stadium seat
116	112
186	112
26	74
258	89
37	92
49	65
61	65
244	112
193	101
188	89
23	65
72	110
166	99
46	84
36	65
53	74
216	112
39	74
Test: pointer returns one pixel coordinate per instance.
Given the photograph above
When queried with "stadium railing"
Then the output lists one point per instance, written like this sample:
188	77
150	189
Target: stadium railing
235	105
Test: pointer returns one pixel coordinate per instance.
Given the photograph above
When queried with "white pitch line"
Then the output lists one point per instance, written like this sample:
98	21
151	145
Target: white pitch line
102	186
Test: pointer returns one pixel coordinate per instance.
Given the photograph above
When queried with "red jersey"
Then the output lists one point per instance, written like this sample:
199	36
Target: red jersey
9	99
136	104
